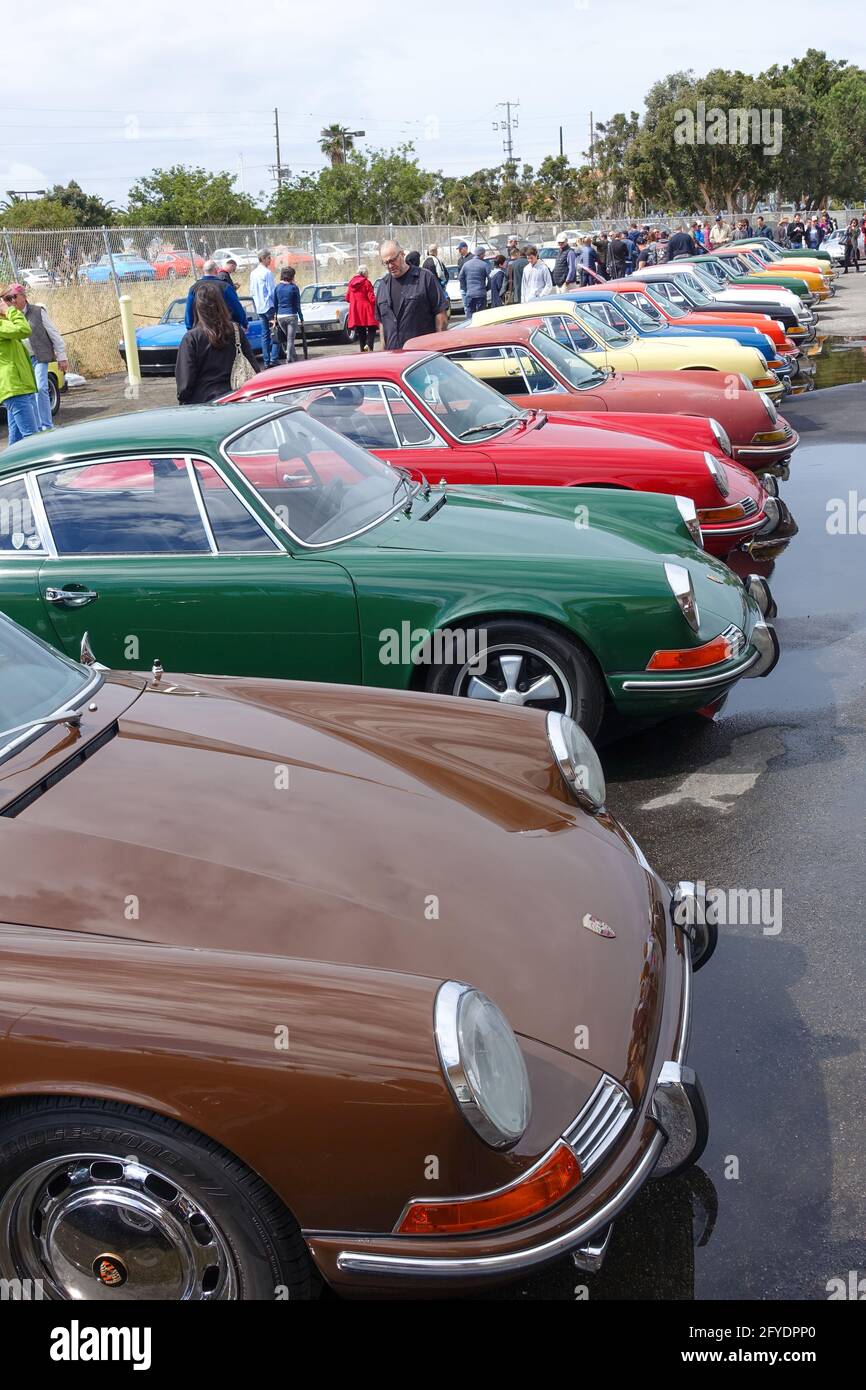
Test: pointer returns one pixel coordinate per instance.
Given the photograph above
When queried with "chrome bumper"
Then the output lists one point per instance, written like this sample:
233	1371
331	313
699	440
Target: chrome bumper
588	1239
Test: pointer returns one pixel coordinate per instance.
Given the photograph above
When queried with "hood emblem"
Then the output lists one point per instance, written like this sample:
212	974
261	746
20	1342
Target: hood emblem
596	925
110	1271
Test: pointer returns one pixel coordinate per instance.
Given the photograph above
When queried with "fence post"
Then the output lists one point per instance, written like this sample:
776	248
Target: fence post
110	254
358	242
313	245
190	252
10	254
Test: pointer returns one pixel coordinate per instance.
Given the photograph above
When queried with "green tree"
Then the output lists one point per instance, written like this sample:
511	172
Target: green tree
180	195
843	111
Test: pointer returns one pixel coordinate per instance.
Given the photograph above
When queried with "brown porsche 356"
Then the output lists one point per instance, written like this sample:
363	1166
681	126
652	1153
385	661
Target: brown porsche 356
306	980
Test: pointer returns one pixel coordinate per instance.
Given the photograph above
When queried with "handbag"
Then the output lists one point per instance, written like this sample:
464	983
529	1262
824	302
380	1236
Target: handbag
242	368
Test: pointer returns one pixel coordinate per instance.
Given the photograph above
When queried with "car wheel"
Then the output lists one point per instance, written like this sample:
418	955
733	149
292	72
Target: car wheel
172	273
104	1200
53	395
522	663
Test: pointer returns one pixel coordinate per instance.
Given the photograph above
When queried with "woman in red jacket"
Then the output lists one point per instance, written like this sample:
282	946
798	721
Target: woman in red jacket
362	309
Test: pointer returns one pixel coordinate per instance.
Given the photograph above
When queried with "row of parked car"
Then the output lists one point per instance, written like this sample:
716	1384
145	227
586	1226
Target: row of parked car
358	875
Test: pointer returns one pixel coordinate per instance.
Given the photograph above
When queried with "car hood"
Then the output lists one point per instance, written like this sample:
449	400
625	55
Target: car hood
160	335
365	828
562	435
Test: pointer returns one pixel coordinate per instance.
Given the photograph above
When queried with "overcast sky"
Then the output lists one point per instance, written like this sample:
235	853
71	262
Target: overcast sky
103	93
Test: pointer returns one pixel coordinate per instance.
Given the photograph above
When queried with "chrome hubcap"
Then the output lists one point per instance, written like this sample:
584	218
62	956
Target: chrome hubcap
515	675
93	1226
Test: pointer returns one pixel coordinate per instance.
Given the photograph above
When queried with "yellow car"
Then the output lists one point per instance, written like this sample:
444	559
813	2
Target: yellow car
581	330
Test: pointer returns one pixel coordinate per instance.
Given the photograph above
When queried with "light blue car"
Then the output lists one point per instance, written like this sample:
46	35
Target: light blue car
159	342
127	267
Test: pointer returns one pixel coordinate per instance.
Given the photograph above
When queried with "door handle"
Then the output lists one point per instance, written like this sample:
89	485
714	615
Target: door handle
70	598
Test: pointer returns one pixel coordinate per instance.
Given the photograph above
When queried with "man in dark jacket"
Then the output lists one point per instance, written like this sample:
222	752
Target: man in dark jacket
564	269
211	276
617	256
514	269
474	280
408	299
680	244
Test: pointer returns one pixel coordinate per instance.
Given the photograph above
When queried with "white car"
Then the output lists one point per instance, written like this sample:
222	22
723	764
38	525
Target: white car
245	258
330	251
326	312
34	277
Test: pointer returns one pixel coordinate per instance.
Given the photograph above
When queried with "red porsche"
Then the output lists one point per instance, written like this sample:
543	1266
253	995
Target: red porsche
424	413
174	265
522	360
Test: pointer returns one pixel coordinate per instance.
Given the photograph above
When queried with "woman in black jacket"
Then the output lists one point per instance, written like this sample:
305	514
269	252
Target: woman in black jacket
206	355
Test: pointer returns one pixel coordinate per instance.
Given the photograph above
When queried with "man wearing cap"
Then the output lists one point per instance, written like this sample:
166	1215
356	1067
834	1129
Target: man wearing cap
721	233
474	282
45	346
564	273
17	378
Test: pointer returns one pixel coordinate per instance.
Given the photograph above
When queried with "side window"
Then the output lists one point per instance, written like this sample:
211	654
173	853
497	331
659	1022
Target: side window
537	377
144	506
18	529
412	431
235	530
489	365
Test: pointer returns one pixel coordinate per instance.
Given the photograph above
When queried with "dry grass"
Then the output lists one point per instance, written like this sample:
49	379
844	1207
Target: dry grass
89	320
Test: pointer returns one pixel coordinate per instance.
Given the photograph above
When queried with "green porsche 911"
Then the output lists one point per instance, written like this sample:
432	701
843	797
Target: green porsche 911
252	540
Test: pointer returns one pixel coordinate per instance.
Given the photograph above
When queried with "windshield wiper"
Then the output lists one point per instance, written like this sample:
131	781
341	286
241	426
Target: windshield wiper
493	425
72	717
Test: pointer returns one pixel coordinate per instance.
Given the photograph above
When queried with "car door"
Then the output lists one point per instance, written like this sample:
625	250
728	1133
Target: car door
22	551
163	558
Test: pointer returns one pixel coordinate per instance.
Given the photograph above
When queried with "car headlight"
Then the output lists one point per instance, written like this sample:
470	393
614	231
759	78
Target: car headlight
769	407
683	591
688	512
718	473
722	437
483	1064
577	761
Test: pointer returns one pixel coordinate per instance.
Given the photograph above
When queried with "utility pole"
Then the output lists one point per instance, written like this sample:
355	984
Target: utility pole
242	172
560	143
507	125
591	142
277	135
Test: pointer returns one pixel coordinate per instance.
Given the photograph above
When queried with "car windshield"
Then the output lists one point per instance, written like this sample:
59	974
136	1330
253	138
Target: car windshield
322	294
570	365
176	311
674	311
321	487
466	407
638	315
35	682
598	325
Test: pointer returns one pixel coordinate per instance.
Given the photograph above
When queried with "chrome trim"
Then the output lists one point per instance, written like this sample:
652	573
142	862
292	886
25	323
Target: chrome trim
699	683
590	1257
516	1260
446	1011
199	502
599	1124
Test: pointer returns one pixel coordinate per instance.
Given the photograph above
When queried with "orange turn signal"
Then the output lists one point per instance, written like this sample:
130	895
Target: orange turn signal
719	649
543	1185
707	515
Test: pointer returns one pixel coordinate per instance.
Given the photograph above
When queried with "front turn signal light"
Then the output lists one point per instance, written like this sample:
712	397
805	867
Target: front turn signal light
548	1182
691	658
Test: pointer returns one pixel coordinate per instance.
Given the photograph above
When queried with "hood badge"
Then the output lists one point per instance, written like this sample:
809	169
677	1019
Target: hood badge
596	925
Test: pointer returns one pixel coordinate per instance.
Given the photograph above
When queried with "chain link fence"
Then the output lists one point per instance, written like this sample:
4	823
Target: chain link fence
78	274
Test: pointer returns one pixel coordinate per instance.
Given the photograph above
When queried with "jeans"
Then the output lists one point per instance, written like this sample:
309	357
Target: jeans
43	400
474	304
22	416
288	327
270	349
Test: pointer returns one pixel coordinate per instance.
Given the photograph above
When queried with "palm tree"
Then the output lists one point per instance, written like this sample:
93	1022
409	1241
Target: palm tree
335	141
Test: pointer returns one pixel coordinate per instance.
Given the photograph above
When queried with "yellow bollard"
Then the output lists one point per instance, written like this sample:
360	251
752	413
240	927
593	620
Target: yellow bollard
133	370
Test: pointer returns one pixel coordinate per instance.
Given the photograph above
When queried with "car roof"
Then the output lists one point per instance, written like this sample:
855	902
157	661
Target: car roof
177	429
325	369
510	330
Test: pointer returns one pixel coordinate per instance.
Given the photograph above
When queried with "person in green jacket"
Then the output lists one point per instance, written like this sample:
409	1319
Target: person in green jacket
17	378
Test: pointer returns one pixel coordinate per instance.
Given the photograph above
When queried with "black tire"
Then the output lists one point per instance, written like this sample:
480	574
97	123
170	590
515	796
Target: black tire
581	687
241	1242
53	395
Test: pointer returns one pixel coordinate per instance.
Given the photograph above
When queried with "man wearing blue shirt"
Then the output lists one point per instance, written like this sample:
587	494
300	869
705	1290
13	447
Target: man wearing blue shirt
211	276
474	282
262	287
